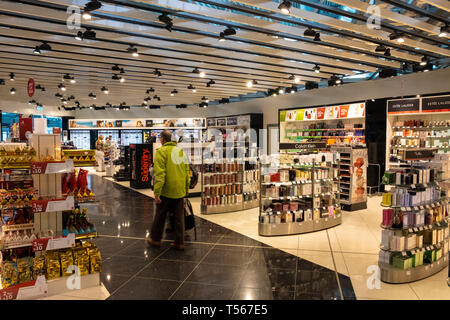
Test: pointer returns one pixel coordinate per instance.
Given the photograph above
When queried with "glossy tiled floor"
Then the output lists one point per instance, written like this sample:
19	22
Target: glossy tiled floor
230	260
219	264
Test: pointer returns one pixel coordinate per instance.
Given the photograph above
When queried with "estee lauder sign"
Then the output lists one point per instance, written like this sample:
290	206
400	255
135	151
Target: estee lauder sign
404	106
436	104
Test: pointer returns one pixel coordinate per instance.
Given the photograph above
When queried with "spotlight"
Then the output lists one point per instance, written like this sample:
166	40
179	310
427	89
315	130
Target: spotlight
285	7
105	90
424	61
91	6
203	105
43	89
62	87
291	77
122	80
309	85
12	91
91	107
309	32
181	106
38	87
445	30
317	37
164	18
293	89
386	73
297	80
229	32
249	84
122	71
71	98
11	76
64	101
108	104
93	96
196	71
89	34
280	90
115	68
221	37
115	77
191	87
36	50
316	69
79	36
133	50
45	46
157	72
397	36
380	48
202	74
205	99
150	90
210	83
173	92
334	80
387	53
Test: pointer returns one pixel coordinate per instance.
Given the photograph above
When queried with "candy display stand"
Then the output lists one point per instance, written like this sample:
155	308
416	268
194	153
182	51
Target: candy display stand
52	260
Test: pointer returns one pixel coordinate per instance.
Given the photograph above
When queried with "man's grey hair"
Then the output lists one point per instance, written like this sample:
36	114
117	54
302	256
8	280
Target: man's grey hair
166	135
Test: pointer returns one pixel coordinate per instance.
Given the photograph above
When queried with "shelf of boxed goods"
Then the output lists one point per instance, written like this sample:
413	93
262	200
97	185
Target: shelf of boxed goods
298	227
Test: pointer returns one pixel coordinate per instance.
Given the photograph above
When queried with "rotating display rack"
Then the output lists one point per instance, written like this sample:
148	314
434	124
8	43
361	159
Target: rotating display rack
415	235
300	195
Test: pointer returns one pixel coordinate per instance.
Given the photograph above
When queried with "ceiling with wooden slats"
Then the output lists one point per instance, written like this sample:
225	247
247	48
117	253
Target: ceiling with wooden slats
268	48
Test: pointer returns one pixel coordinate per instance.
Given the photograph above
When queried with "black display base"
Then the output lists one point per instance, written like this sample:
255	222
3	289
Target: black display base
121	178
354	206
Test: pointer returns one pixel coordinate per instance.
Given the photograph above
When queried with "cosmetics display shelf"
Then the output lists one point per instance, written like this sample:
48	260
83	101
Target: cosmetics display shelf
390	274
316	208
423	127
414	229
352	166
326	129
426	205
414	250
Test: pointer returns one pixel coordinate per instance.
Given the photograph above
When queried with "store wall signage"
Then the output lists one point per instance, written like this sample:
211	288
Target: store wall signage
211	122
141	159
146	162
138	123
304	145
348	111
30	87
243	121
222	122
436	104
404	106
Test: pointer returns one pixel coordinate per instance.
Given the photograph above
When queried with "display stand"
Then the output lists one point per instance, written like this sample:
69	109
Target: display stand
415	235
300	196
352	176
141	157
81	158
340	129
36	247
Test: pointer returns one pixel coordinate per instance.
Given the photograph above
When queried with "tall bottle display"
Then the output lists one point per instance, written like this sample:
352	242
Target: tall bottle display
415	235
299	195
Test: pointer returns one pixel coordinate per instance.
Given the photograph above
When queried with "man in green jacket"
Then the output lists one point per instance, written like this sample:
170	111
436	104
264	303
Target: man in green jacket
171	170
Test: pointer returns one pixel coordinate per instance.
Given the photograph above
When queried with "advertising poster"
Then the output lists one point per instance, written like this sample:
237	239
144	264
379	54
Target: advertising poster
282	116
222	122
359	183
291	115
343	111
356	110
211	122
310	114
300	114
320	113
243	121
329	114
81	124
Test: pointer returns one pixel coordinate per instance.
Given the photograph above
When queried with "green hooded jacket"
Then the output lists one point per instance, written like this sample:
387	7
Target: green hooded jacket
171	169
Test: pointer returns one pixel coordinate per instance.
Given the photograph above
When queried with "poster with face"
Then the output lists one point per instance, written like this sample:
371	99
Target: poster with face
310	114
81	124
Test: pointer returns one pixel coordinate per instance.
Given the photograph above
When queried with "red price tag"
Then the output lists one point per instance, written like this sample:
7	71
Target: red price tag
39	206
40	244
38	167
